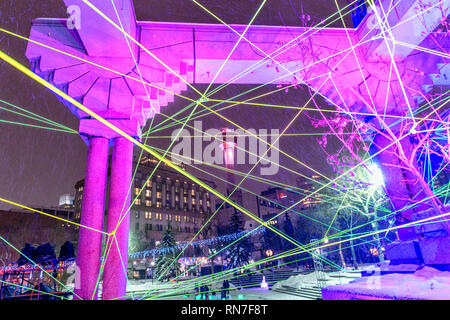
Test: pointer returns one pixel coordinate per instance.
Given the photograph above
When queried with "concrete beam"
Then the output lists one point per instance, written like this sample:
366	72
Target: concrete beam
97	33
407	21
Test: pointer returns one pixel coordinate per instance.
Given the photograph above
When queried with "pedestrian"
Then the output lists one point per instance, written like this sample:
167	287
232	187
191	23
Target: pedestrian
227	287
202	292
196	290
223	292
206	292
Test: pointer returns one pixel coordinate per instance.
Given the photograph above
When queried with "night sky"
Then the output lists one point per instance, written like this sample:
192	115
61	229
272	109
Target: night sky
37	165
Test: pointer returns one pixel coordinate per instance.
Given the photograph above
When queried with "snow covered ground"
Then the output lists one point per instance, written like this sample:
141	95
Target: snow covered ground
297	282
139	286
262	294
426	283
310	280
181	288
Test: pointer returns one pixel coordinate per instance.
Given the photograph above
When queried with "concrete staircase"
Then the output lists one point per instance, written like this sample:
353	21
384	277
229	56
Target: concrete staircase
77	79
255	279
313	293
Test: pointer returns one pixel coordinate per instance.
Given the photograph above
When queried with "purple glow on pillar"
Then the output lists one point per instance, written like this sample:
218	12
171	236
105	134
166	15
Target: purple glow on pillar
92	214
115	274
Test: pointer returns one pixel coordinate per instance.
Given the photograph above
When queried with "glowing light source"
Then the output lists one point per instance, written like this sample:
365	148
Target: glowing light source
264	284
375	175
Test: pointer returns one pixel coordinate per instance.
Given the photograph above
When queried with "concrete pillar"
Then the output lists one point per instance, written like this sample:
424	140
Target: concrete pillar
153	193
181	202
172	195
205	208
115	272
189	198
164	193
92	215
197	199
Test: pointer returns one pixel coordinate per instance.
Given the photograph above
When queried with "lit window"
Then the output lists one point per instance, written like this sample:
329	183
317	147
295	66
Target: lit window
148	203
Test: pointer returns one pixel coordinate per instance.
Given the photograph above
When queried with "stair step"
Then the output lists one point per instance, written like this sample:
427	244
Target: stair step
301	294
177	85
162	97
168	85
183	73
190	74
